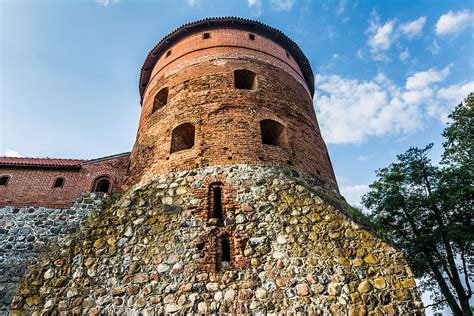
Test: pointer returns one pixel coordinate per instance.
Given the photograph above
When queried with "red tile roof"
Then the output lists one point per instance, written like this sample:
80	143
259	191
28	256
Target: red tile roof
41	162
53	162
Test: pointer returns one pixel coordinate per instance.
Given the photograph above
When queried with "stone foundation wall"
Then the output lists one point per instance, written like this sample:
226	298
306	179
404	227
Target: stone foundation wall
156	251
26	233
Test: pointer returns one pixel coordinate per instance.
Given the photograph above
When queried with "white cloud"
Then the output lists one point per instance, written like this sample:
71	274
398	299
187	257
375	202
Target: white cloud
359	54
352	111
414	28
255	6
422	79
405	54
434	48
353	193
447	98
11	153
106	3
380	36
282	5
453	23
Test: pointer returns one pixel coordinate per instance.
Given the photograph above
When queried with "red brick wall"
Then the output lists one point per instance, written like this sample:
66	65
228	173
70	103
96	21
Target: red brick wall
200	76
34	186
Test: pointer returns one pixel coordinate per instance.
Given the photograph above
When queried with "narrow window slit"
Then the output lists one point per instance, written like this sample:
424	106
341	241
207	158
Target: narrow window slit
206	35
225	250
215	202
218	203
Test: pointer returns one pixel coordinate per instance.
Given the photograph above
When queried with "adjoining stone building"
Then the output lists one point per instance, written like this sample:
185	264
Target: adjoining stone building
230	202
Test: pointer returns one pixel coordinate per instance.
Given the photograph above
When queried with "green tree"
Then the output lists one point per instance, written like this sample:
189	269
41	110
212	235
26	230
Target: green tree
426	211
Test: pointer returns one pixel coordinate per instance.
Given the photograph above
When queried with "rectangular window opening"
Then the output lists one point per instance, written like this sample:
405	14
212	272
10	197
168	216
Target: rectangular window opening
217	205
225	254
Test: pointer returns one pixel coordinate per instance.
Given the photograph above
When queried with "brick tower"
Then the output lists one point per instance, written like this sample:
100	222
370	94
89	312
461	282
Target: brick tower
228	91
233	206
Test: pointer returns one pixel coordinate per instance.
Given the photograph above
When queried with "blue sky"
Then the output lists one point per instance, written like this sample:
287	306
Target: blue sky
387	72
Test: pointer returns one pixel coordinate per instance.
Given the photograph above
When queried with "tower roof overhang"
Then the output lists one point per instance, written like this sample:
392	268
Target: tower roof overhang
230	22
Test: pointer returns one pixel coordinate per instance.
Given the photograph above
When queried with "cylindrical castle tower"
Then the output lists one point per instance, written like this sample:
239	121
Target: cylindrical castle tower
234	237
228	91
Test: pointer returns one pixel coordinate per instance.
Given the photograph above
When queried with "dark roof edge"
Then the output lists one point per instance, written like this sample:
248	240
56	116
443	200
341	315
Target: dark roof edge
105	158
22	165
235	22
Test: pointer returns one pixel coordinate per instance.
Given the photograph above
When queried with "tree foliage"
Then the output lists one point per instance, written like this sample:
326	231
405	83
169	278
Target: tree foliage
426	211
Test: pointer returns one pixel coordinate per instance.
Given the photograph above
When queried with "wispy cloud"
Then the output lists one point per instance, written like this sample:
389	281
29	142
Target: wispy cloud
341	10
405	54
365	157
341	7
414	28
255	7
330	64
352	111
329	32
434	48
106	3
453	23
282	5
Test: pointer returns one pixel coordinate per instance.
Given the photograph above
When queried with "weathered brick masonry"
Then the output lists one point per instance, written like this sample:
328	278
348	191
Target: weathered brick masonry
31	181
197	69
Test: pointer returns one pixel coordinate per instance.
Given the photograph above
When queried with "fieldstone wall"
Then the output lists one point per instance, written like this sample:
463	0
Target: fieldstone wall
25	233
156	252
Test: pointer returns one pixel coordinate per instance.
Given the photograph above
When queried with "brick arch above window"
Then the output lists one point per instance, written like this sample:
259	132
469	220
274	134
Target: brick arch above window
245	79
160	99
102	183
58	182
274	133
182	137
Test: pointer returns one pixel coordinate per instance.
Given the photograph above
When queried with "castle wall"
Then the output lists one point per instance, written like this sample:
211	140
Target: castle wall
33	186
157	251
199	74
27	232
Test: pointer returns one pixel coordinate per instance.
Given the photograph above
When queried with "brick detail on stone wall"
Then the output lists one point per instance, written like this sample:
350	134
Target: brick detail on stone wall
212	252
